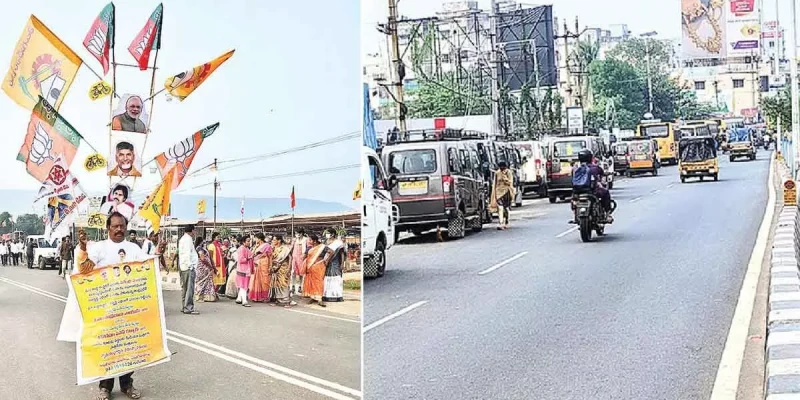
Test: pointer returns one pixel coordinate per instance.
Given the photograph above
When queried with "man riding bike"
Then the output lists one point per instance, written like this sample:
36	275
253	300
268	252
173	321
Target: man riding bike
588	177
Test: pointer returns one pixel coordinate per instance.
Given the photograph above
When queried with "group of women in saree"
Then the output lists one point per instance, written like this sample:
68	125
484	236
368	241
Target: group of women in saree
261	269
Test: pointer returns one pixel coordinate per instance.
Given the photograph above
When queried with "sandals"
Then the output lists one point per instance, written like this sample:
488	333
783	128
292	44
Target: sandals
245	305
132	393
104	394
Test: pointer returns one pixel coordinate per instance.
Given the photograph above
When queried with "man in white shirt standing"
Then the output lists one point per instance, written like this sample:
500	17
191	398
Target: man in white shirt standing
17	247
148	246
187	262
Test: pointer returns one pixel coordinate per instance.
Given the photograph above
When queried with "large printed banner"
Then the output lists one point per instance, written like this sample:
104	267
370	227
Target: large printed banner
122	320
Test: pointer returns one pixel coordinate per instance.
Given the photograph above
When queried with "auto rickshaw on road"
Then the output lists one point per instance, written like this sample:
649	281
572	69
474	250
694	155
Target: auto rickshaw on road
698	158
620	153
642	156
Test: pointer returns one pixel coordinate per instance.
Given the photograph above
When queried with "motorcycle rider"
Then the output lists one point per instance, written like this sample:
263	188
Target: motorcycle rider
586	160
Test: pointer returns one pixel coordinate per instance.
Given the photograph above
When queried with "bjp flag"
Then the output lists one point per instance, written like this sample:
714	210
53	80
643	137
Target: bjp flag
180	156
48	136
157	203
41	65
183	84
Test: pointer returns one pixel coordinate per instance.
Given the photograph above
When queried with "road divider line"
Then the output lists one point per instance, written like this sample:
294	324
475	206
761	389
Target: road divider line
636	199
671	185
392	316
324	316
218	351
726	384
655	191
502	263
567	232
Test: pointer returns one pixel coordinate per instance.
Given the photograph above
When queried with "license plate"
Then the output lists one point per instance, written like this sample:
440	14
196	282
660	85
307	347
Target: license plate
413	188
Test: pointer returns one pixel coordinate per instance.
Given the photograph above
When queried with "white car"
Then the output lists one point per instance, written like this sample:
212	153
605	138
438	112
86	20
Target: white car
45	254
379	216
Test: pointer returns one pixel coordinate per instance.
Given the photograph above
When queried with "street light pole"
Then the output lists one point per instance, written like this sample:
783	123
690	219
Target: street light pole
795	84
649	75
216	187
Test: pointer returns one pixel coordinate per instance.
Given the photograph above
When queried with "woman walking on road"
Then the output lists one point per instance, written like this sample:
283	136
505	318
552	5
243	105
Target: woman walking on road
334	272
244	269
316	262
281	272
502	194
259	283
204	290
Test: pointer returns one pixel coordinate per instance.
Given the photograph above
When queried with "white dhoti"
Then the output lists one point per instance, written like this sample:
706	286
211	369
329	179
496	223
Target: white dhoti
70	328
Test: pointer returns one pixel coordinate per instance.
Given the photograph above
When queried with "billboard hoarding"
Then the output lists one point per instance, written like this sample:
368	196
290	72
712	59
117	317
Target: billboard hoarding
704	29
742	27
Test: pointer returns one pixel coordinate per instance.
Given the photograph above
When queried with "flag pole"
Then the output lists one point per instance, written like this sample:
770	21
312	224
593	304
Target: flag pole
113	81
152	101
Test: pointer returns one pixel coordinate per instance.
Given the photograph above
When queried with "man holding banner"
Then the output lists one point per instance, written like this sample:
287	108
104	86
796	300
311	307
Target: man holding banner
113	250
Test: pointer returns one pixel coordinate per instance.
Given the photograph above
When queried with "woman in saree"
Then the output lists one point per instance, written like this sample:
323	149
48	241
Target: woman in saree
314	282
230	286
334	270
204	290
281	272
259	284
244	270
299	251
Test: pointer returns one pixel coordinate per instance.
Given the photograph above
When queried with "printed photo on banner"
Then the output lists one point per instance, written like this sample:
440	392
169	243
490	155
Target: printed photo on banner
130	115
704	27
118	201
122	320
126	154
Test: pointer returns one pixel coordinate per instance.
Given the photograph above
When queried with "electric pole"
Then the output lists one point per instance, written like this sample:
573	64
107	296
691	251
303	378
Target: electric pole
794	79
567	72
216	187
399	68
494	68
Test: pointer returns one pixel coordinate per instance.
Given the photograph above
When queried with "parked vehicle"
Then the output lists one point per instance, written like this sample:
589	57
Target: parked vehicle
643	156
440	181
379	216
45	253
619	151
563	153
667	136
534	167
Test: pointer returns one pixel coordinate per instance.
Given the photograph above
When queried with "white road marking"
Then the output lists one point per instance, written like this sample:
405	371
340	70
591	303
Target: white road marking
500	264
636	199
244	360
655	191
726	383
324	316
671	185
392	316
567	232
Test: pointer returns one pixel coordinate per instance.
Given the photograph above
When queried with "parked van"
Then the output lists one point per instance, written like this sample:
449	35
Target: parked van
440	182
563	154
534	171
379	216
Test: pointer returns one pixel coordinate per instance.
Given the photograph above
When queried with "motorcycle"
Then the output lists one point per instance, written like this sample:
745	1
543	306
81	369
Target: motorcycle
590	215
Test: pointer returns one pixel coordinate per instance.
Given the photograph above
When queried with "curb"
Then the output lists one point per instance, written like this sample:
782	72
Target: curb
782	377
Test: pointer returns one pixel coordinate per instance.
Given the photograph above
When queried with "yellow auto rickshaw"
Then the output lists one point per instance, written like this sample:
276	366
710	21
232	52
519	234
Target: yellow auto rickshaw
642	156
698	158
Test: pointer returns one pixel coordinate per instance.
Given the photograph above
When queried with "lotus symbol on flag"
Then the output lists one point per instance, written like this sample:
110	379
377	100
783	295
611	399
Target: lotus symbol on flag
41	146
182	150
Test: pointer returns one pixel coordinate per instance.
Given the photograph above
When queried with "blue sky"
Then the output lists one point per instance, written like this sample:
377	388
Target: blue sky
662	16
294	80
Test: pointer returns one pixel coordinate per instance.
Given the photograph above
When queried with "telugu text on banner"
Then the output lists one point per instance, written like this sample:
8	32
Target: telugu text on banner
122	320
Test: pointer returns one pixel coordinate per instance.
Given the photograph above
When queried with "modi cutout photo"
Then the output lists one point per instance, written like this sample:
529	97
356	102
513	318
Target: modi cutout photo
126	154
118	200
130	115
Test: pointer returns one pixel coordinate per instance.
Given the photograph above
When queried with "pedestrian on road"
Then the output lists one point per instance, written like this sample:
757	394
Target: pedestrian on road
217	258
299	252
149	243
316	264
87	258
231	291
133	239
18	248
244	269
281	272
187	262
204	281
29	253
66	256
259	282
3	253
502	194
334	270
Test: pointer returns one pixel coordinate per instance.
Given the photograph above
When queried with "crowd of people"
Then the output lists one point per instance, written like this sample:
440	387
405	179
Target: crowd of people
11	252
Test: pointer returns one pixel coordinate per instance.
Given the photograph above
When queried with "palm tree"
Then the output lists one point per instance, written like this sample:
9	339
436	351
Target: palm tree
584	54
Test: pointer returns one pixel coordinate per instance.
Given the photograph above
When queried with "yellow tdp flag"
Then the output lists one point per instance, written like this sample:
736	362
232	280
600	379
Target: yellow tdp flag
201	207
157	204
41	65
183	84
357	192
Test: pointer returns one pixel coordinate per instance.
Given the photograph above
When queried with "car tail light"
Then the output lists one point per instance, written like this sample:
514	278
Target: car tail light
549	166
447	184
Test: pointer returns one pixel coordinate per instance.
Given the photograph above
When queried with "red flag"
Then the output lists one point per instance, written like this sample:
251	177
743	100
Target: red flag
149	38
100	37
294	202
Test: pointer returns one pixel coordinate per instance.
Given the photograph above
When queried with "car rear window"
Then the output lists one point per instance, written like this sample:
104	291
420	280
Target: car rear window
568	149
640	147
412	162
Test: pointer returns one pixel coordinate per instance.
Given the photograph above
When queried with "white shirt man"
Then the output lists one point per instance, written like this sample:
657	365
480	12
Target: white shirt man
187	262
148	246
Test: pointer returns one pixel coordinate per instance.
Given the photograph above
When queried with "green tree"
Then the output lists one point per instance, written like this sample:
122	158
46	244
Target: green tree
6	223
585	53
448	96
773	106
31	224
634	51
619	82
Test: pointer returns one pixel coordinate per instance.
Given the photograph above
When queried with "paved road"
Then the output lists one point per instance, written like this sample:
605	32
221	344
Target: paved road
282	354
642	313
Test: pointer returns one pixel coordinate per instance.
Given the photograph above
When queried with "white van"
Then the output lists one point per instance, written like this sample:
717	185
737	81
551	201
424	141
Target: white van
534	170
379	216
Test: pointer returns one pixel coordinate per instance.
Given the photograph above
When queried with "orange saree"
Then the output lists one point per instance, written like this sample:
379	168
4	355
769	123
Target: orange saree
314	283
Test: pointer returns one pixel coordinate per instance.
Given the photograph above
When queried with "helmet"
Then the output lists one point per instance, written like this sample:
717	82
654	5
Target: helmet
585	156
